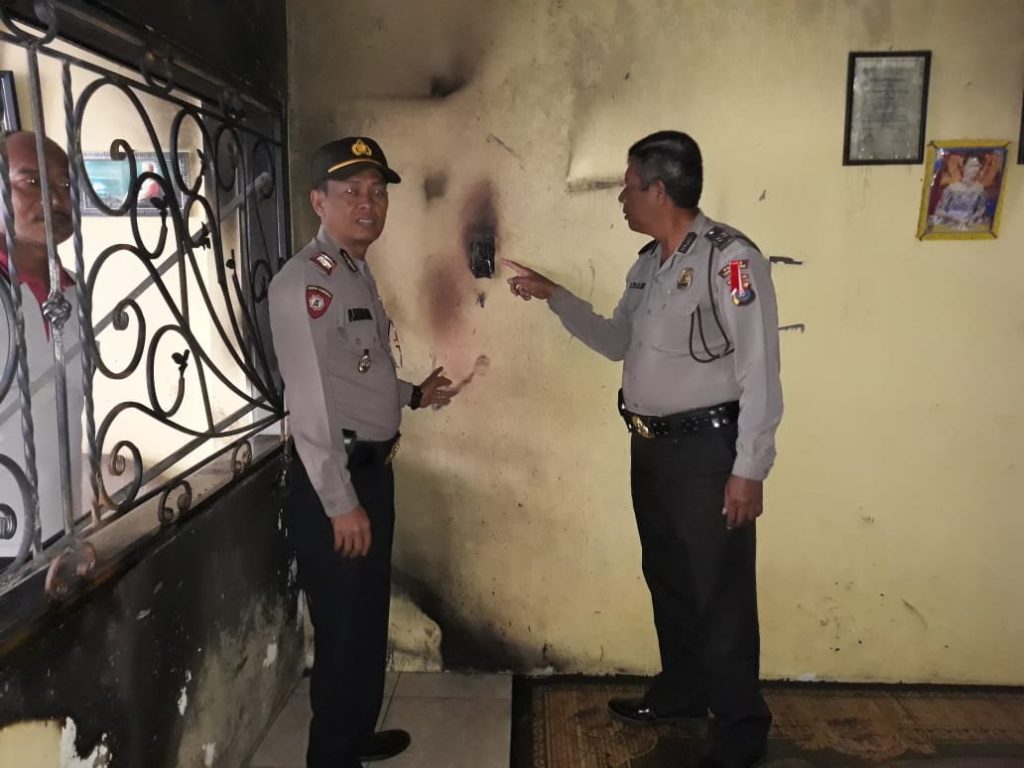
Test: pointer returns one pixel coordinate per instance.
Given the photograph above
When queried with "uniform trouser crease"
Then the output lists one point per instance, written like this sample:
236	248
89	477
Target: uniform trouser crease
348	604
702	582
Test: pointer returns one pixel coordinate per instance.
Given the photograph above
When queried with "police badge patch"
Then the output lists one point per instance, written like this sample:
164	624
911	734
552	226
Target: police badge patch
317	300
685	278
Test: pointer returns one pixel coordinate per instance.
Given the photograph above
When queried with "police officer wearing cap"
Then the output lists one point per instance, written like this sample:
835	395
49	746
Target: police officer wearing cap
332	340
697	330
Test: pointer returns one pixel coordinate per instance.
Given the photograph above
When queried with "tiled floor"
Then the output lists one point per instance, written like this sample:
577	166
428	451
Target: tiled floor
456	721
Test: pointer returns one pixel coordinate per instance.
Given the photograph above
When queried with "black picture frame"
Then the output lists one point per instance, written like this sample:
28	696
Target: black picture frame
110	179
901	66
1020	140
10	117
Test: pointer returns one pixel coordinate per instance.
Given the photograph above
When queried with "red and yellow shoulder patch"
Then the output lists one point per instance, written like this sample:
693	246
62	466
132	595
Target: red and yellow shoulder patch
740	290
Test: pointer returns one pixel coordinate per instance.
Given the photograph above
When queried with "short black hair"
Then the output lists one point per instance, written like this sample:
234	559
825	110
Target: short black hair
673	158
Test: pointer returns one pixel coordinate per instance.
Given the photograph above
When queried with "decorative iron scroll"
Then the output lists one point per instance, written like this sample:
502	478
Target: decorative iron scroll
198	310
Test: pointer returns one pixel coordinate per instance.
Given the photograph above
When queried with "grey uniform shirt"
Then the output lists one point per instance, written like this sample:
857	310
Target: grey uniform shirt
325	316
664	325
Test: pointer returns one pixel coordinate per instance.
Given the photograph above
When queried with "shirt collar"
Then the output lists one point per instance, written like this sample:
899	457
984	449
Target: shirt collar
39	288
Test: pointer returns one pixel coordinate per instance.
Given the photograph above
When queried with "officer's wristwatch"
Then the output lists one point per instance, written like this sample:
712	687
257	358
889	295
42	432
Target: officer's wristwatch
417	397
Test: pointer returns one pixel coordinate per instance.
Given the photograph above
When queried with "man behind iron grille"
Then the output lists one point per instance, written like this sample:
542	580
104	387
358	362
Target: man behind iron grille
31	261
331	337
696	328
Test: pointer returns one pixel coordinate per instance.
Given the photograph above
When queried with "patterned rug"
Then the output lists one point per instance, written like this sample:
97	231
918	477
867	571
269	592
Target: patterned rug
563	722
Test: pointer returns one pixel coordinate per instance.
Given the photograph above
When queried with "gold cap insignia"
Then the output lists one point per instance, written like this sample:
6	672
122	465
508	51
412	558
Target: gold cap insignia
360	149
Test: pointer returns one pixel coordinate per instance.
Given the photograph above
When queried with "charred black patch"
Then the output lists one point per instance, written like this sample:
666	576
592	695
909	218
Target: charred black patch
468	645
435	185
443	86
480	230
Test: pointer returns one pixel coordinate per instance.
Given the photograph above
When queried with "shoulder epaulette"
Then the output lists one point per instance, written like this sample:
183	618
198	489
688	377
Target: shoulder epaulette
325	262
649	248
719	237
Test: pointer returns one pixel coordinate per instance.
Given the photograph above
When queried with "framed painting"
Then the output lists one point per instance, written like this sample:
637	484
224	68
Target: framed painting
963	190
9	115
111	180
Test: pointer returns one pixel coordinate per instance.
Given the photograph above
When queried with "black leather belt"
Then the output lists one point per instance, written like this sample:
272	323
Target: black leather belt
687	422
369	453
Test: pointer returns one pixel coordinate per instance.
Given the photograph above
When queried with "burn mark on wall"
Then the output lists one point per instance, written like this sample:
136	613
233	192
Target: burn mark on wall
480	229
443	86
435	185
444	300
466	643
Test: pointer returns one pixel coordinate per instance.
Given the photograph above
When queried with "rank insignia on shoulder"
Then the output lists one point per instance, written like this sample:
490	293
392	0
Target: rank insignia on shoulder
687	242
324	261
739	283
685	278
636	285
718	237
648	249
348	262
318	299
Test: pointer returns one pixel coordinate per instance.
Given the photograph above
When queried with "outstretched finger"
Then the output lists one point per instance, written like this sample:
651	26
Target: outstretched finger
518	268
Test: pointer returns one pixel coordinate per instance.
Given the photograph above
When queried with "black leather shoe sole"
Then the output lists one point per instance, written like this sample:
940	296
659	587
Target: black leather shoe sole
384	745
636	712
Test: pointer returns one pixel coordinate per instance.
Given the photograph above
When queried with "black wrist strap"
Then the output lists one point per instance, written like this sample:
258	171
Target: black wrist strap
417	397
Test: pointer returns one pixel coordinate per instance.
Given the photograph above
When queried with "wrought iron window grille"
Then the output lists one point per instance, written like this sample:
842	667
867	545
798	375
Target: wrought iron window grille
198	309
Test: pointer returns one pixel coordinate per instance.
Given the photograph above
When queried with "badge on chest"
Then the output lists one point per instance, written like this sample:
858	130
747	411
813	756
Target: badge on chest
685	278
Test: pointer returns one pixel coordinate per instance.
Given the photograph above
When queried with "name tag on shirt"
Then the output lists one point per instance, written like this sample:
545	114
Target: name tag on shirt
637	286
359	313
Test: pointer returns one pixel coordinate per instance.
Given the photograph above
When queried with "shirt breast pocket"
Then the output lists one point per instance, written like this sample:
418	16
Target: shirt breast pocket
359	327
672	320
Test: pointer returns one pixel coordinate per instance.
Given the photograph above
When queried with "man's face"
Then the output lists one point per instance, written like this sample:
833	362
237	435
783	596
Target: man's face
638	204
27	191
353	211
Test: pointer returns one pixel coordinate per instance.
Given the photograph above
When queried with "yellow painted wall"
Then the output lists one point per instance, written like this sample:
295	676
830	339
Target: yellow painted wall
890	548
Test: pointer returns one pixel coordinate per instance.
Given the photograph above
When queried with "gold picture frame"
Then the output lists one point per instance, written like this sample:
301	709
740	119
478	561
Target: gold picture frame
963	190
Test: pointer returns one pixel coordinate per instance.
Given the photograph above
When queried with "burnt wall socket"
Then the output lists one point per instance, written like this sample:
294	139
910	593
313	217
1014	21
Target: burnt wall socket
481	255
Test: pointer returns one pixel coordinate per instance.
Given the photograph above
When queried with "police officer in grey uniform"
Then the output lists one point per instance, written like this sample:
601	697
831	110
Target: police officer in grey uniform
332	341
697	330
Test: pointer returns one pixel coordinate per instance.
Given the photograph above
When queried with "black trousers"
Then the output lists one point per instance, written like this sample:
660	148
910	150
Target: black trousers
703	587
349	602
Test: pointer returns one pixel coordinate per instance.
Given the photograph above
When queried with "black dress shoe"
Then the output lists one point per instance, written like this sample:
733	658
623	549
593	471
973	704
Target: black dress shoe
383	745
638	712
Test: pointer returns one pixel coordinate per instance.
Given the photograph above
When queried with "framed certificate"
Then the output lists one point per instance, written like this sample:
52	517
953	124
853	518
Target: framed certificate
886	107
